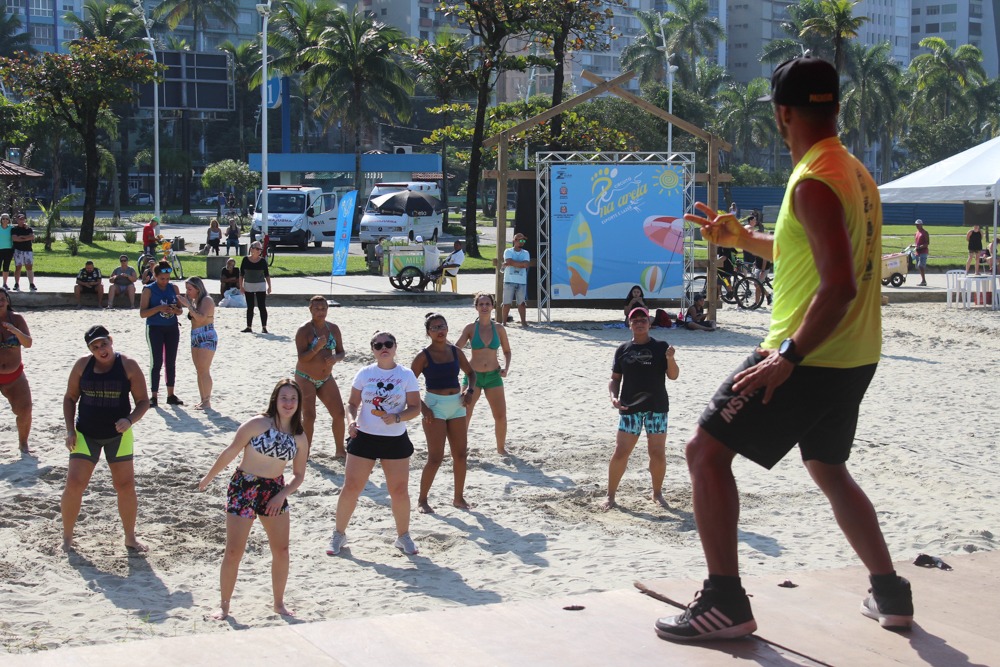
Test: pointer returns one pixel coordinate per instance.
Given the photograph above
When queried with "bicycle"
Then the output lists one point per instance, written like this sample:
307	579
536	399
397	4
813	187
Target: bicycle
752	298
733	287
174	260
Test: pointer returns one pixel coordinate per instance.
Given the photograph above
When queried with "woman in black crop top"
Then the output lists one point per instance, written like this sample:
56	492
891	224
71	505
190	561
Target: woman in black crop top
257	488
443	408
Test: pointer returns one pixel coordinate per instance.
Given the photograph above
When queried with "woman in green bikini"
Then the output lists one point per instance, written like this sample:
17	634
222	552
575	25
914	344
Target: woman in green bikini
485	337
319	346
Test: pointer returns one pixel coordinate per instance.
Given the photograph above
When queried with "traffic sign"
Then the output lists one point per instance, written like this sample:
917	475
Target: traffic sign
274	92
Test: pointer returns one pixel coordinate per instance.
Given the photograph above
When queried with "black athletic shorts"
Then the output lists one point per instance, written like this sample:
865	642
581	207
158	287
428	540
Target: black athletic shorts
375	447
816	408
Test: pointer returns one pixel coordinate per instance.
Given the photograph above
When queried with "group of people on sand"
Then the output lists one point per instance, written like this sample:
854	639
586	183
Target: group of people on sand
802	386
107	395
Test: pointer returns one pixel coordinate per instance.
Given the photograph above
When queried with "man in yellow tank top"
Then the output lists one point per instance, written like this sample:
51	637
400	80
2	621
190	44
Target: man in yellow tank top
805	382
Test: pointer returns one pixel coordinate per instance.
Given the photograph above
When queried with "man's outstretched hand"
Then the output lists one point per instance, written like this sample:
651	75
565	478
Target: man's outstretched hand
722	229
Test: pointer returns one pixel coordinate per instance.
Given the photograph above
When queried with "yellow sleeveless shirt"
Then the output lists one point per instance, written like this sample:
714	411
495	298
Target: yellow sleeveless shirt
857	340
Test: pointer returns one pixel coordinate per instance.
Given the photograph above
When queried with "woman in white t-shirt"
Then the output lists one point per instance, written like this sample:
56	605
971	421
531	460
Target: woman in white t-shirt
383	396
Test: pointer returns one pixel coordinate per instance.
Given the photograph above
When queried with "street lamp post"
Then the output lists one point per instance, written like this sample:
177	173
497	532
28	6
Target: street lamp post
265	12
671	69
147	24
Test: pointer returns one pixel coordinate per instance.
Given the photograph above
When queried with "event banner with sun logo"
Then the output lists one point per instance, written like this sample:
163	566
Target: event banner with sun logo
615	226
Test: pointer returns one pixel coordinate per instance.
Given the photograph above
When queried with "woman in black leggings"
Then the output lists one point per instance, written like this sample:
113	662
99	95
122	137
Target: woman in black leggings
255	284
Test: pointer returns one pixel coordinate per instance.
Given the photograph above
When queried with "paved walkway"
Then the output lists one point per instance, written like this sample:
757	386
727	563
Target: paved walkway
56	292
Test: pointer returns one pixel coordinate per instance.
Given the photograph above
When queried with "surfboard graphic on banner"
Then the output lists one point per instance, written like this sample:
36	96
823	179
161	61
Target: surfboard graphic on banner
342	242
614	226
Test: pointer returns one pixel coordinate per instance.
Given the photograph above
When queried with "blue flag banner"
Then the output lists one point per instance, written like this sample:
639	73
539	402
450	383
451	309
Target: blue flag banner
615	226
342	242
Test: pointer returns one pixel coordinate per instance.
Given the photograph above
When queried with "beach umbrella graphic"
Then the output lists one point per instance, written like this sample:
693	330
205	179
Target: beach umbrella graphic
666	232
579	255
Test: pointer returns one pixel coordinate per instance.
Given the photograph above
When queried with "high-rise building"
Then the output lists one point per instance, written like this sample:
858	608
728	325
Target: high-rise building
975	22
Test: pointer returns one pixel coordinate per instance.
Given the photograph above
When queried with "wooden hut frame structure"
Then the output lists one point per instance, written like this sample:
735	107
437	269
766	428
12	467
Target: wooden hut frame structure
503	174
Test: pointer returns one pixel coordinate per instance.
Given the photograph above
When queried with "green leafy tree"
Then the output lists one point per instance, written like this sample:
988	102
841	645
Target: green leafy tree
709	78
440	69
296	26
12	39
931	140
647	54
123	26
872	92
836	24
744	121
77	88
245	57
357	70
113	21
231	173
799	39
572	25
492	24
943	76
693	33
200	12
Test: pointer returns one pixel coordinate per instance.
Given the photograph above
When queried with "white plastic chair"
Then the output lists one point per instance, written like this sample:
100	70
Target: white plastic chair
955	287
977	288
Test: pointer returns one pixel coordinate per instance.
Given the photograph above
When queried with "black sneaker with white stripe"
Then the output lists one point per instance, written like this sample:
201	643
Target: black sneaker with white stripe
892	608
710	616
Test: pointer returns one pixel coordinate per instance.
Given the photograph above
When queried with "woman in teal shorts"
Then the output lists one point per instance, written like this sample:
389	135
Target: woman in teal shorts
443	408
204	338
485	337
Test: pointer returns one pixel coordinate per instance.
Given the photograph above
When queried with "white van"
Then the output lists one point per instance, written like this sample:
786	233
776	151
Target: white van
298	215
375	224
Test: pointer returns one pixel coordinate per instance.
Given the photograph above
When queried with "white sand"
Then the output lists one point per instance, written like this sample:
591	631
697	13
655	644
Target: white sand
927	453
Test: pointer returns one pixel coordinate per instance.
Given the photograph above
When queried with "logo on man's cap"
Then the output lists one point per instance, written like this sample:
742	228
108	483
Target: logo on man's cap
804	81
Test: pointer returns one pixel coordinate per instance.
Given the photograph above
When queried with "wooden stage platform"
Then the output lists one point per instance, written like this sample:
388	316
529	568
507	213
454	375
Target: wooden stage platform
815	623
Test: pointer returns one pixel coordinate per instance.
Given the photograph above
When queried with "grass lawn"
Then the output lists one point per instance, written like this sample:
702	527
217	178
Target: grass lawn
948	250
105	255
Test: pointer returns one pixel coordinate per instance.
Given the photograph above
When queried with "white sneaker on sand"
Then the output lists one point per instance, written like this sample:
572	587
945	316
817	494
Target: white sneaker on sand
405	544
337	542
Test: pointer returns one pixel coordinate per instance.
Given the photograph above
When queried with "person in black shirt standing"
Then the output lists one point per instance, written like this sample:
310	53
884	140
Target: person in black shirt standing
97	397
22	236
639	391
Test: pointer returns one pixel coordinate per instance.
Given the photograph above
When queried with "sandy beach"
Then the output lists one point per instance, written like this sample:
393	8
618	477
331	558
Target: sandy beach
926	452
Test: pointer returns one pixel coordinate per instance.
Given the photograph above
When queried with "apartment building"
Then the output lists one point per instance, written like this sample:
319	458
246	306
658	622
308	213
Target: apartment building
45	21
975	22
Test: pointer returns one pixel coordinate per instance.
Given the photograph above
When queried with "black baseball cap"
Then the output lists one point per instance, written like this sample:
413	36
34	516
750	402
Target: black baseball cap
95	332
804	81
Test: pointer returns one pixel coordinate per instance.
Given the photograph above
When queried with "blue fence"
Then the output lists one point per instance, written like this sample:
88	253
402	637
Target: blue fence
892	214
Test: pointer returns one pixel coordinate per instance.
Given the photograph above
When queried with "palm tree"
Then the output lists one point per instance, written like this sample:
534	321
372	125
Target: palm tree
201	13
745	121
692	32
296	25
799	40
12	40
112	20
943	75
836	24
245	57
647	54
441	68
709	78
872	91
985	100
357	71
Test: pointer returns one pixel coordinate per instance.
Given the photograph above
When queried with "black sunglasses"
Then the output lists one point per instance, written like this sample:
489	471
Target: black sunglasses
389	344
166	269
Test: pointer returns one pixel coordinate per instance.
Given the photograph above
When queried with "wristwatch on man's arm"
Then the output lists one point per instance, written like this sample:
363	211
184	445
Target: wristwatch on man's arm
787	351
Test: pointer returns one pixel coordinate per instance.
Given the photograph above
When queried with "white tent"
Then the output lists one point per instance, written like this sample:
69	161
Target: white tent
969	176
